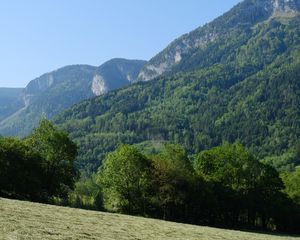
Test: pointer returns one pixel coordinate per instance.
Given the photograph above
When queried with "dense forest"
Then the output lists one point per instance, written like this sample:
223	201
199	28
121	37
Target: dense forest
225	186
211	140
39	167
247	91
51	93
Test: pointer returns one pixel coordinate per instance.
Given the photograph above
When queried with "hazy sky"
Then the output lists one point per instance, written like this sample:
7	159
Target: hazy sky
38	36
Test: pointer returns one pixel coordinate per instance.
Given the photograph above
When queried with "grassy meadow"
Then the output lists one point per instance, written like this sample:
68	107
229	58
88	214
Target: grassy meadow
25	220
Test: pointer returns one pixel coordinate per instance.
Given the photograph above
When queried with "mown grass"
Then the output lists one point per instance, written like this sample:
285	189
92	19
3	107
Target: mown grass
25	220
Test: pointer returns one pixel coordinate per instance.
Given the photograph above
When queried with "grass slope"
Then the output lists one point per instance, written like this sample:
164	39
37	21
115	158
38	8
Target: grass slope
25	220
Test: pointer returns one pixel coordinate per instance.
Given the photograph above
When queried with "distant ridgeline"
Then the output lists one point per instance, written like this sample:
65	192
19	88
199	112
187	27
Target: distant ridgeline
234	79
10	101
233	83
50	94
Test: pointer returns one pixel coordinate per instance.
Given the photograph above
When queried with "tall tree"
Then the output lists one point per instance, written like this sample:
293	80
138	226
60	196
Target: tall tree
173	179
59	153
244	187
125	178
21	172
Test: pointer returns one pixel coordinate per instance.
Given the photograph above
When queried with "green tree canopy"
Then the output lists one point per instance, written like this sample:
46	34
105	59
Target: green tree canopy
243	186
125	178
21	173
292	184
58	153
173	180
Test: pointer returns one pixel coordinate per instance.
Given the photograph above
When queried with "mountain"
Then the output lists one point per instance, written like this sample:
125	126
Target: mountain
115	74
237	80
188	51
56	91
10	101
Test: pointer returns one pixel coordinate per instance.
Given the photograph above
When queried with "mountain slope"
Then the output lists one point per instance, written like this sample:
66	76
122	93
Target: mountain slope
53	92
10	101
40	221
190	51
244	88
115	74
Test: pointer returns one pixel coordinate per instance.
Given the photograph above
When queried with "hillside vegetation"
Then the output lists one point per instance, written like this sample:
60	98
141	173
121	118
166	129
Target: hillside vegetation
10	101
212	140
53	92
222	187
38	168
28	221
189	51
246	89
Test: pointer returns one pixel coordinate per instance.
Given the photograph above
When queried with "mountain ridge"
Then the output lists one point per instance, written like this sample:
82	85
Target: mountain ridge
10	101
241	87
55	91
255	11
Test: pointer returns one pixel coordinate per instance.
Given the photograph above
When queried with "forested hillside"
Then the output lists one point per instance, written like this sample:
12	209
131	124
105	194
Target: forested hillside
10	101
245	87
50	94
226	186
190	51
212	139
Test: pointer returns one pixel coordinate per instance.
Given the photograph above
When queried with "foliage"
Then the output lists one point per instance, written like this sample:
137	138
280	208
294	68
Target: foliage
47	96
21	172
39	167
87	194
173	184
246	189
292	183
53	92
124	178
58	152
225	186
285	162
247	90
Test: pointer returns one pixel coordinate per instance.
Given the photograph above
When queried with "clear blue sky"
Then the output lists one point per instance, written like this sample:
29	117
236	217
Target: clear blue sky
38	36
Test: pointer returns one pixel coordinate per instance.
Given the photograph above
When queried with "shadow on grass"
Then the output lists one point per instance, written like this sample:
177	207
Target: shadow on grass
261	231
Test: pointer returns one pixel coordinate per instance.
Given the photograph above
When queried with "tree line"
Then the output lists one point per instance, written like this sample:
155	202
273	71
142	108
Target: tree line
225	187
243	87
39	167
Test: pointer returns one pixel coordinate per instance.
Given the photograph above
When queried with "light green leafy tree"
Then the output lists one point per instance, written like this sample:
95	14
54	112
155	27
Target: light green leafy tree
125	179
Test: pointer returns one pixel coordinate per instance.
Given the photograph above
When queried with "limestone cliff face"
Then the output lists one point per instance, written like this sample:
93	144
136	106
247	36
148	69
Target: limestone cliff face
290	6
173	54
114	74
248	12
51	93
36	86
98	85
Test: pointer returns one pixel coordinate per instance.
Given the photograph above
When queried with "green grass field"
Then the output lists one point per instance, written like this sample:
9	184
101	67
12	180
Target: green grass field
25	220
